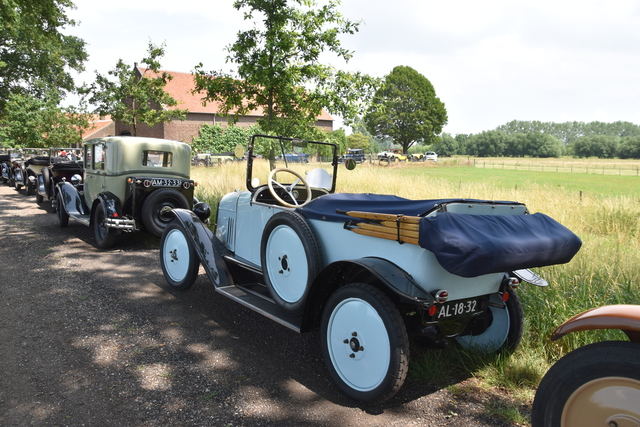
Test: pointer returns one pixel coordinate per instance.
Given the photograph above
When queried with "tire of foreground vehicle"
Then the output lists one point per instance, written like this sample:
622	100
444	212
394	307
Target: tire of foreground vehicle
290	259
364	343
30	189
105	236
597	384
505	330
63	216
154	222
178	258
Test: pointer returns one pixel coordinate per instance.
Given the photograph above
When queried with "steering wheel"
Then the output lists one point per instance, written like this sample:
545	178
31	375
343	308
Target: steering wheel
288	188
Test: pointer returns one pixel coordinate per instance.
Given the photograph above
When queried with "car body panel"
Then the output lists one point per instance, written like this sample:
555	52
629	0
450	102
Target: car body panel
622	316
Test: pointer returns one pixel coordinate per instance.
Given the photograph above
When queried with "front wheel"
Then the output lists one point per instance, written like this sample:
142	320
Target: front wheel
63	216
595	385
364	343
154	214
500	328
178	258
105	236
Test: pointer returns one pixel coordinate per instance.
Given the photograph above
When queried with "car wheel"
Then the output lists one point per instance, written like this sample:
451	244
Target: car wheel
597	384
30	188
153	216
105	236
63	216
290	259
178	258
364	343
17	184
46	179
504	329
39	198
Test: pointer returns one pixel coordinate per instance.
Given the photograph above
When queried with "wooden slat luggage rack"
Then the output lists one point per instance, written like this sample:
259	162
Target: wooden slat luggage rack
401	228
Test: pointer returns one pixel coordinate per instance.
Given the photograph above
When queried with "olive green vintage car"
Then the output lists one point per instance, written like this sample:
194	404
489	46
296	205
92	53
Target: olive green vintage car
129	183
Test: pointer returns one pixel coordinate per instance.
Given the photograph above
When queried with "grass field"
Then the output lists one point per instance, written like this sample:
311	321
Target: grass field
604	210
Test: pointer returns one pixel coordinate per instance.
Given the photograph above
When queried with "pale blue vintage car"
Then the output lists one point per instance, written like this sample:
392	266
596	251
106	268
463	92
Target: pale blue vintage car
367	270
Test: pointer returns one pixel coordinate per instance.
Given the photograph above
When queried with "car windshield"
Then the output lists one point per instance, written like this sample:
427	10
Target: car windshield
307	158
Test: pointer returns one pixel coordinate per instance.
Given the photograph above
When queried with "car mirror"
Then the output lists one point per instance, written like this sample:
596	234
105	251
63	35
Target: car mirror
350	164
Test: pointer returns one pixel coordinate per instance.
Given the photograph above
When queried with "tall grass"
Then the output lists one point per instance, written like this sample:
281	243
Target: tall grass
605	271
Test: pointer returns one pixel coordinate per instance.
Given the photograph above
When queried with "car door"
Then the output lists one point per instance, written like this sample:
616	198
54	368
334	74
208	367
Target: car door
94	170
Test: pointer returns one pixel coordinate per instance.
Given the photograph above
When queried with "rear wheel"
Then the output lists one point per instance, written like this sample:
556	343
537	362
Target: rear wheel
154	209
30	188
364	343
597	384
63	216
505	326
105	236
178	258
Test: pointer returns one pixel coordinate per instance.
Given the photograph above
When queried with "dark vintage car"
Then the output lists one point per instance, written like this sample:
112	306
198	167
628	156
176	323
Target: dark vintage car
26	169
128	183
63	164
366	270
597	384
356	154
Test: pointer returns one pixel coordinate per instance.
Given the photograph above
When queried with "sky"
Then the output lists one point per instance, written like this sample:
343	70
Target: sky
489	61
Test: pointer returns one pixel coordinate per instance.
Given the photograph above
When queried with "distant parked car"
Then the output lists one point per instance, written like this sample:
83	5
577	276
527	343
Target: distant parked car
63	164
356	154
393	155
129	182
211	159
597	384
431	156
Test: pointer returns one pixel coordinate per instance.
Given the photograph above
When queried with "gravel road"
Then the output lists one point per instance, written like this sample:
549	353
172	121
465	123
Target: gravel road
96	338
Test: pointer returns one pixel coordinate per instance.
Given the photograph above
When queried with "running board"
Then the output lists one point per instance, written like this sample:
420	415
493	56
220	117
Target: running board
82	219
262	305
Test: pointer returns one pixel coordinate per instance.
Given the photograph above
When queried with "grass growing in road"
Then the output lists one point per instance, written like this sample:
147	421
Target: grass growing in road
603	210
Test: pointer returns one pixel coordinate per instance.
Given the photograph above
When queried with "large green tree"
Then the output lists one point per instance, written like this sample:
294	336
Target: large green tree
406	109
31	121
35	56
279	71
135	99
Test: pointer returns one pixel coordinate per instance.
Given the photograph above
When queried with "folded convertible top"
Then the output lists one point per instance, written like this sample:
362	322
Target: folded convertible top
473	245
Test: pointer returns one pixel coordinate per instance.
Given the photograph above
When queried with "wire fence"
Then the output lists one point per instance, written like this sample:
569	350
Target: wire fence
566	167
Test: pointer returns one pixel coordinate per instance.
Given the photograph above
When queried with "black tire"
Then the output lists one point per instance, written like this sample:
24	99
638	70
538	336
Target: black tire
39	198
607	370
364	343
17	184
63	216
46	179
30	189
290	258
499	329
152	217
178	258
105	236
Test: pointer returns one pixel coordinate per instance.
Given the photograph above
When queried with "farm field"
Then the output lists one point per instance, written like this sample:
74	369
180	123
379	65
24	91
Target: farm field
603	210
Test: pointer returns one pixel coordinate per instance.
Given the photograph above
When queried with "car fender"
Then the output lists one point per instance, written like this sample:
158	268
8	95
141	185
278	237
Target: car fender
209	248
379	272
622	316
110	203
71	199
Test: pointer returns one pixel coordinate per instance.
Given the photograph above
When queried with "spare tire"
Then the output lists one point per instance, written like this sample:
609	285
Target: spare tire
290	258
153	218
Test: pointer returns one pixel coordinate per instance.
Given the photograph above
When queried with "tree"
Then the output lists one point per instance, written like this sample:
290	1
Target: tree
279	69
446	146
602	146
35	56
30	121
490	143
358	140
135	99
629	148
406	109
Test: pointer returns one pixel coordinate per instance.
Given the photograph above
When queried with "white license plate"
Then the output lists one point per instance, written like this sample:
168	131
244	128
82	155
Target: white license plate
457	308
166	182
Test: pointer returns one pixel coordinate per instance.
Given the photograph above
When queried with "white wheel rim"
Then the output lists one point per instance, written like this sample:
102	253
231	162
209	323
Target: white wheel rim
175	253
492	339
287	264
365	368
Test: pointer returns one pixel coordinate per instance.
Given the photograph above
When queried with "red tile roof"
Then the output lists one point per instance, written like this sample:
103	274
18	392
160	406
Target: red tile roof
180	87
96	123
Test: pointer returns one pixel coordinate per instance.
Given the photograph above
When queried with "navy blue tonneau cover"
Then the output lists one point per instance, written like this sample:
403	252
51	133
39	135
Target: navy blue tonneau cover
325	207
465	245
472	245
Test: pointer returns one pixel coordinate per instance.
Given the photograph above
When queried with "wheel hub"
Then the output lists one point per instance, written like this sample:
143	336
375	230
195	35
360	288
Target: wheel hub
354	347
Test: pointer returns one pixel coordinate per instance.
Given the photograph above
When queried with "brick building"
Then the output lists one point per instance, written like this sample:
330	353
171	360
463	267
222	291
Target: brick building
180	88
